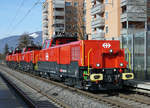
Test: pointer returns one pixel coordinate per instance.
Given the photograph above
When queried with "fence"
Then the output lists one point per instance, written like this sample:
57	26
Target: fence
139	46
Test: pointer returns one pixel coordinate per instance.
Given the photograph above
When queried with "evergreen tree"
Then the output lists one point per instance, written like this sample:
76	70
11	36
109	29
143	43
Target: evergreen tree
6	49
25	40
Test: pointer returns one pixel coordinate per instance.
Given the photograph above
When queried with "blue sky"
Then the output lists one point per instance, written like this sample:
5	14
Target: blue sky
8	10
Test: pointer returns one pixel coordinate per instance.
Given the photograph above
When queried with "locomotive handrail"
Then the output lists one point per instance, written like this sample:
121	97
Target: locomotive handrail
89	61
129	58
82	53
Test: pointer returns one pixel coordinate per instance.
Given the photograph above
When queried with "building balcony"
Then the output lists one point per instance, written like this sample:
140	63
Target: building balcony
98	9
96	0
59	21
45	11
132	2
148	11
45	24
45	17
45	7
59	13
44	21
98	36
59	29
58	3
132	16
131	31
58	6
99	22
45	32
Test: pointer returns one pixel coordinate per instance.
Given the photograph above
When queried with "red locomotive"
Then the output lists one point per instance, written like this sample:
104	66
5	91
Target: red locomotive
85	64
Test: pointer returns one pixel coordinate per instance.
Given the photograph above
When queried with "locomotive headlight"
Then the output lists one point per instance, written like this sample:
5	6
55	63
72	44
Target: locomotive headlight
121	64
111	51
98	65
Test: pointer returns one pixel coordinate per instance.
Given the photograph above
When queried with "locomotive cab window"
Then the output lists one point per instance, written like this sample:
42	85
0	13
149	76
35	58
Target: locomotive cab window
48	43
44	45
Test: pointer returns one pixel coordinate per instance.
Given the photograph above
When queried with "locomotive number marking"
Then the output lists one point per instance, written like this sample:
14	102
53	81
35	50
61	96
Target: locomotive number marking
62	70
106	45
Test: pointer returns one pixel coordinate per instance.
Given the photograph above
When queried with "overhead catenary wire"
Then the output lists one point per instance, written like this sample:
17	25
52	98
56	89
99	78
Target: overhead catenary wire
17	12
26	14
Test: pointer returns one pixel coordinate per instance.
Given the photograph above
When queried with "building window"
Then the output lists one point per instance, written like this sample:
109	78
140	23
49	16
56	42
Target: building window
68	3
75	4
68	11
106	29
106	15
148	27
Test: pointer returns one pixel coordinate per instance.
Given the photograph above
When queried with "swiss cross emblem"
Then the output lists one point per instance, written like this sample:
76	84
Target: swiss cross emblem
106	45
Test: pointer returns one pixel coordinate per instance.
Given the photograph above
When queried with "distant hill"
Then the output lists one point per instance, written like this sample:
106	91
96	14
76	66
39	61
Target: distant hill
12	41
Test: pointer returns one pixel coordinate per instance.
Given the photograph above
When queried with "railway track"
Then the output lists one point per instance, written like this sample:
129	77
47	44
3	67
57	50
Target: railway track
121	100
30	102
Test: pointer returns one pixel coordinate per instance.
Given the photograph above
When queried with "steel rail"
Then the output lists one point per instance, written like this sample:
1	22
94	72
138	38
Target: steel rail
85	93
96	97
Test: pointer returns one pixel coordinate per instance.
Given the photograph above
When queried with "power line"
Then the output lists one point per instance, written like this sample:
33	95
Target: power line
16	14
23	18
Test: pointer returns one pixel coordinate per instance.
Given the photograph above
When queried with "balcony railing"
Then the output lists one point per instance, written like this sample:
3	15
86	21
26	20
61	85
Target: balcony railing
99	22
130	31
59	29
58	3
132	16
45	24
59	13
133	2
45	17
59	21
98	35
97	9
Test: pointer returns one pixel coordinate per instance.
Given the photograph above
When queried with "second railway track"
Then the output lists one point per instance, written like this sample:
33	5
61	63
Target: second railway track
121	100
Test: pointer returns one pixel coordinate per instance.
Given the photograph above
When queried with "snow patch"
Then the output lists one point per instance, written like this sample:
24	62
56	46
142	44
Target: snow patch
34	35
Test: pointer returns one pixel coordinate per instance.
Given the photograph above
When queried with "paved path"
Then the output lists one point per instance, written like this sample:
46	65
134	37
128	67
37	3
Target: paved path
9	98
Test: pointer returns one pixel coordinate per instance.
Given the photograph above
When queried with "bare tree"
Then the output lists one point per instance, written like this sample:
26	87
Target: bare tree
74	20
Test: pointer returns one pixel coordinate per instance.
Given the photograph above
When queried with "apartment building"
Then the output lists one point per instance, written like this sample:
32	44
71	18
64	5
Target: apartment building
133	16
61	16
53	18
112	18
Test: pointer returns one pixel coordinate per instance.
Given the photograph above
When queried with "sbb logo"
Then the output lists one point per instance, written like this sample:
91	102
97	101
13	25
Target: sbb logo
106	45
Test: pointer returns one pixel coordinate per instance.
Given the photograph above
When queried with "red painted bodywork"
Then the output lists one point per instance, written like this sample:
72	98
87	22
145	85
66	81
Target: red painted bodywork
78	51
9	57
29	56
